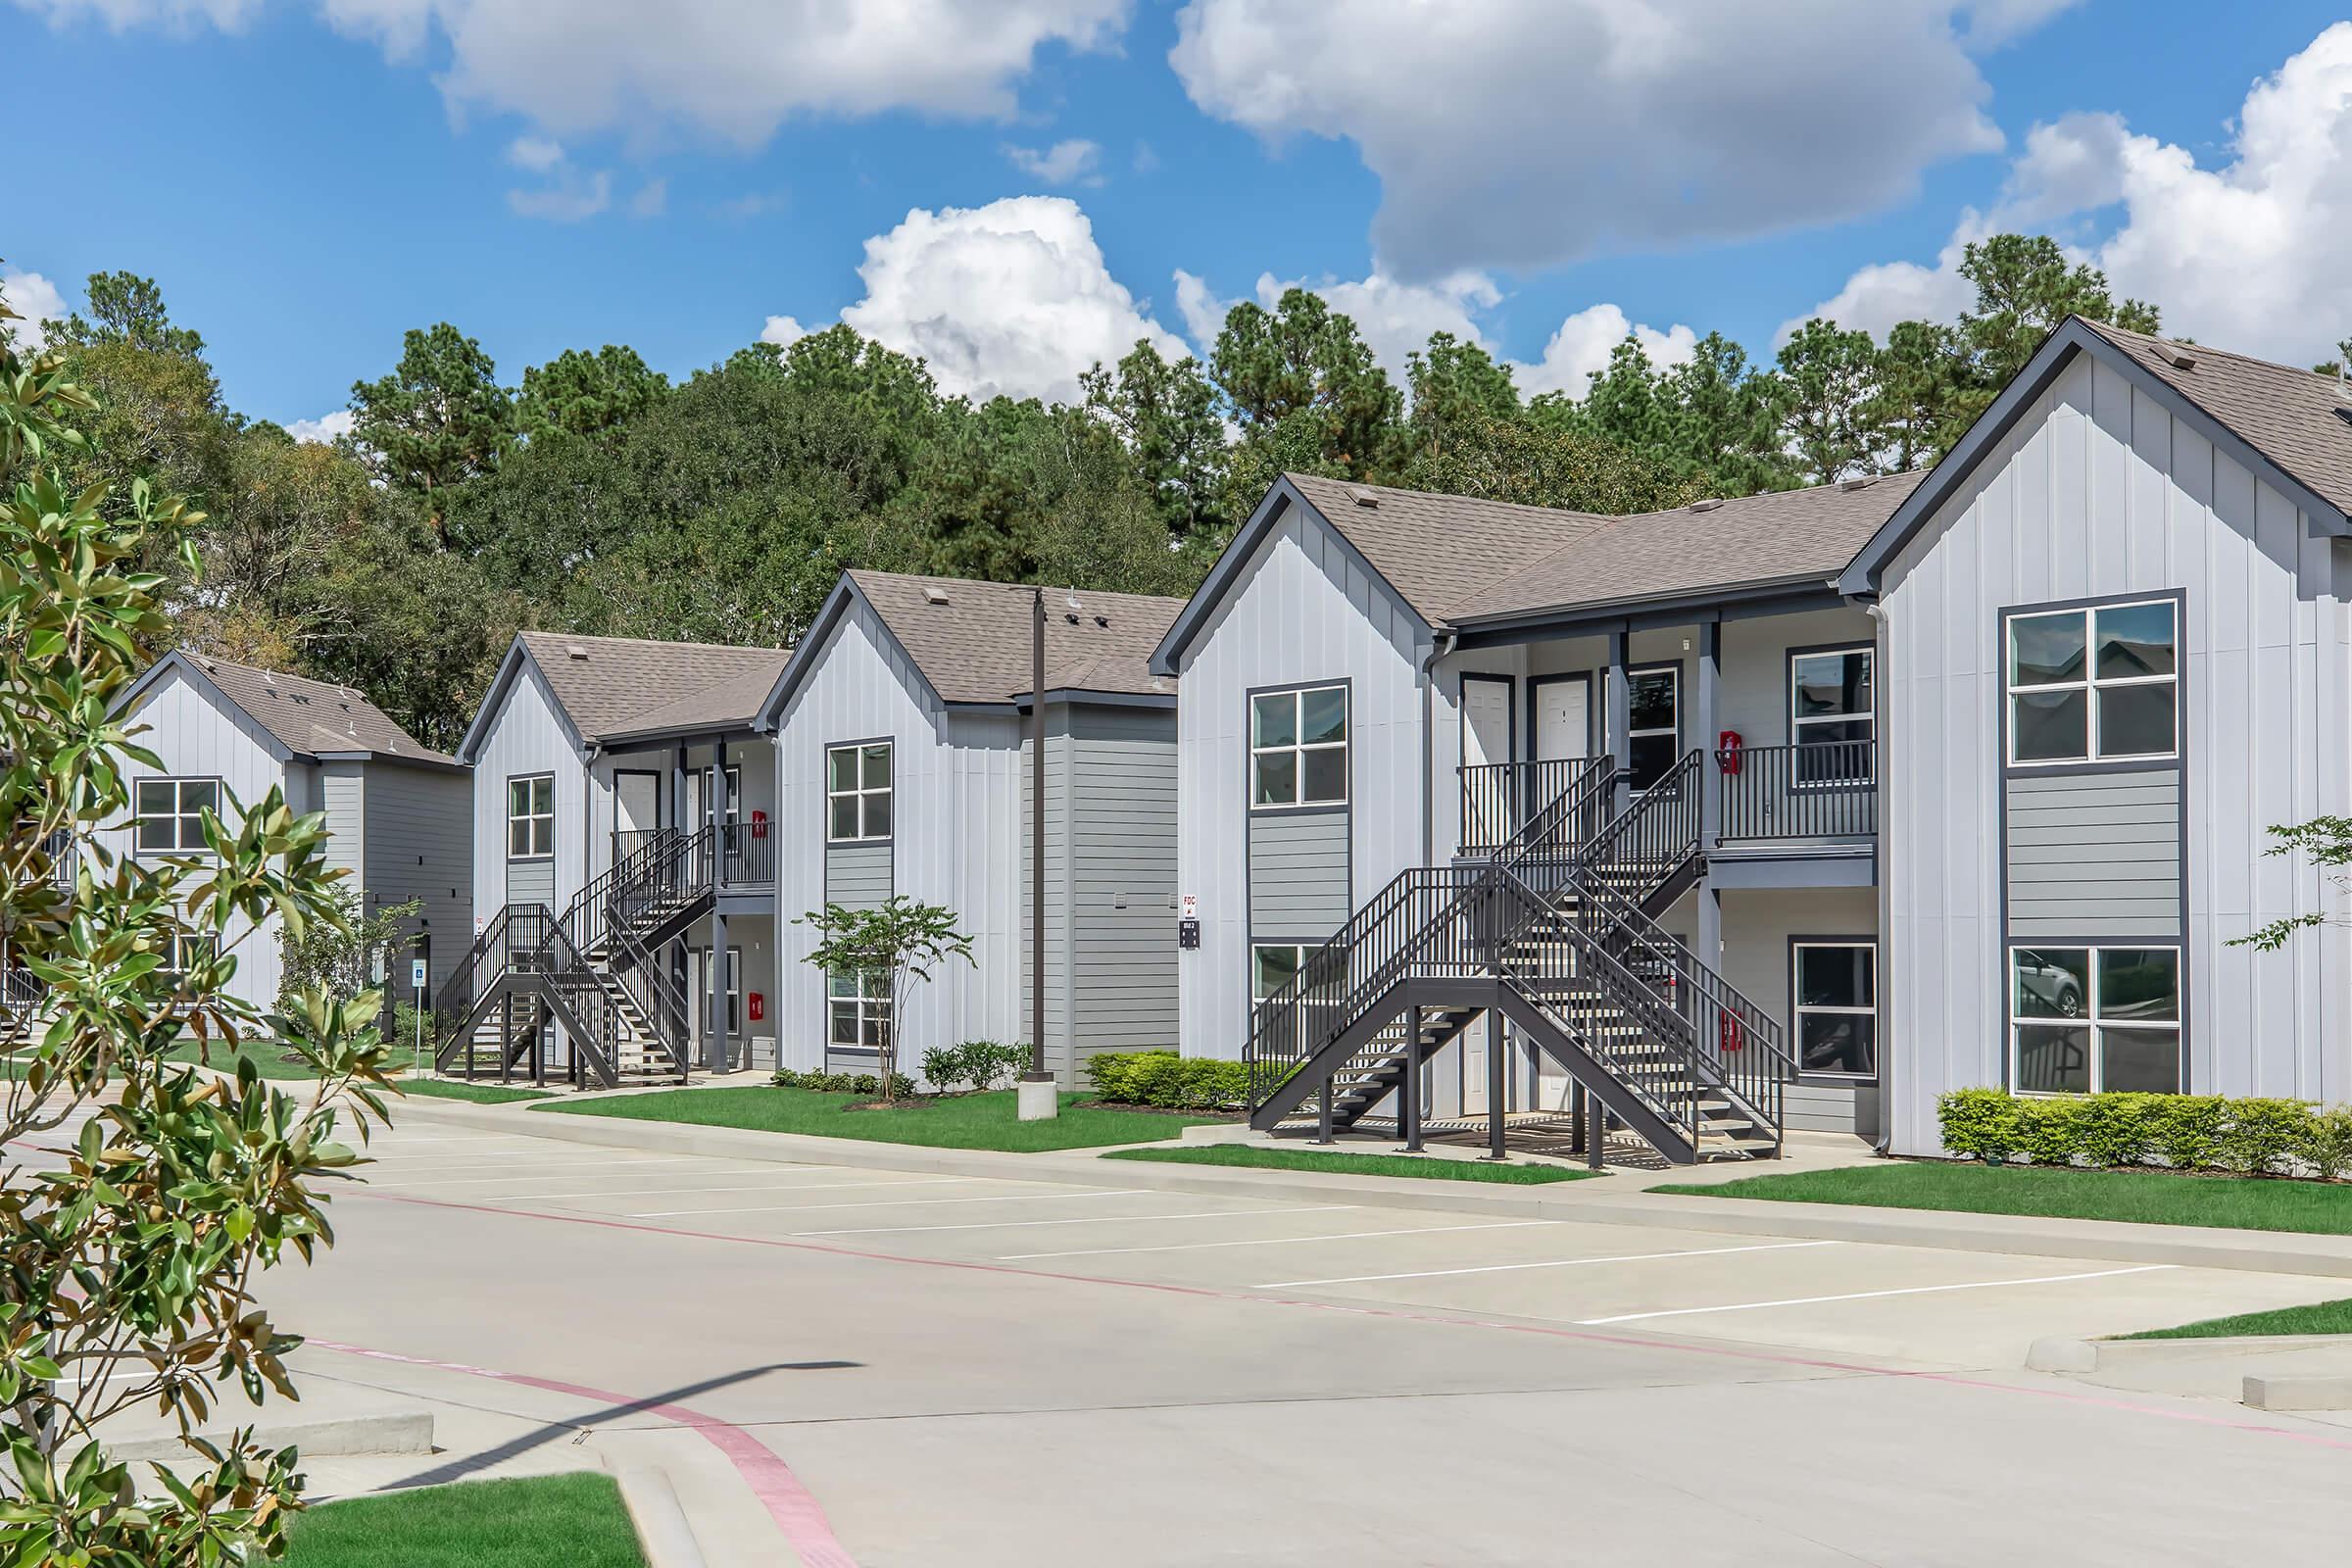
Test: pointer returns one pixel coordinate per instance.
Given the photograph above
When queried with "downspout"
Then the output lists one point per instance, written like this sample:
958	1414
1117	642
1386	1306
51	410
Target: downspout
1441	643
1880	629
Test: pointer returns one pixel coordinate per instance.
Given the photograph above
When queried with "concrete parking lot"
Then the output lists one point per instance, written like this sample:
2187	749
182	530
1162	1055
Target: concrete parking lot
926	1369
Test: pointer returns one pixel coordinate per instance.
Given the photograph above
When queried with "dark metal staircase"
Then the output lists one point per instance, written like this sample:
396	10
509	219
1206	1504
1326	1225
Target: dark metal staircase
598	971
1556	934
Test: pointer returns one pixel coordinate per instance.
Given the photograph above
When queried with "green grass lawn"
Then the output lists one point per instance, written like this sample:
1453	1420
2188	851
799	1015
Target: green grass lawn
481	1094
1426	1166
269	1060
962	1121
2148	1197
2324	1317
539	1522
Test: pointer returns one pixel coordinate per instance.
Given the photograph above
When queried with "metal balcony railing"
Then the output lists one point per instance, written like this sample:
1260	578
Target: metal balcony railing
1820	790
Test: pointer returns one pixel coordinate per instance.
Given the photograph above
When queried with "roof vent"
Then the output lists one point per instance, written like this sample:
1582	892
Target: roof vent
1857	481
1071	618
575	651
1368	500
2174	355
1708	504
934	593
1102	621
268	679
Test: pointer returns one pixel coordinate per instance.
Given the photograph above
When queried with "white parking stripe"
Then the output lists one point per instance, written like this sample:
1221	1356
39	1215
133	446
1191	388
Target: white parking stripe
1564	1263
694	1191
1864	1296
1277	1240
511	1177
891	1202
1090	1219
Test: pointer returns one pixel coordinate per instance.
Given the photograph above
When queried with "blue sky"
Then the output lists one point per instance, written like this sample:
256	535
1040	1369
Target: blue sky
308	179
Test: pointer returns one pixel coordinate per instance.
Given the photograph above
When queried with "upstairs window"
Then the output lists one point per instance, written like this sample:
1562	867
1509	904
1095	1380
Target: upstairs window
171	813
1831	720
1299	746
1652	723
858	792
531	816
2094	685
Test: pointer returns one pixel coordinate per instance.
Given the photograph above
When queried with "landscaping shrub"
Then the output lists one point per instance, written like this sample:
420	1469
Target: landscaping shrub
837	1083
2250	1136
946	1066
1165	1079
982	1064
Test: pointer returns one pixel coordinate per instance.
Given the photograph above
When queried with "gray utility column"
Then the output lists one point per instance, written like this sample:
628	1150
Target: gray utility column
715	1039
1710	789
1621	745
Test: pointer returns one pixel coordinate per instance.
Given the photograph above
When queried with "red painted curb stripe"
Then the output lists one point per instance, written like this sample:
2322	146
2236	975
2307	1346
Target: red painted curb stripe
789	1503
1399	1314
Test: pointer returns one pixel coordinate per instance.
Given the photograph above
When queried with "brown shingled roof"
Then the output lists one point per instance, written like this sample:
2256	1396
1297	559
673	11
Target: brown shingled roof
313	716
974	648
2299	420
1779	537
1438	550
614	686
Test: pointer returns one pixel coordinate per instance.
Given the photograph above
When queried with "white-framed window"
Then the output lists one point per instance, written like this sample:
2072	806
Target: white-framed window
1835	986
2094	684
1653	730
1299	746
190	950
171	813
734	984
1831	716
857	791
857	1008
1274	965
531	816
2086	1019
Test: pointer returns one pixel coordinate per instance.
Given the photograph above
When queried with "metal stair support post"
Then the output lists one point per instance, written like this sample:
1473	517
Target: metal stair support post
1496	1085
1408	1089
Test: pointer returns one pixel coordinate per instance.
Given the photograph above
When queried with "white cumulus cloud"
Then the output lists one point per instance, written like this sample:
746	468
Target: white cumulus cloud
537	154
1580	350
119	15
325	429
572	196
1062	164
1394	318
1013	298
2247	255
36	299
1520	134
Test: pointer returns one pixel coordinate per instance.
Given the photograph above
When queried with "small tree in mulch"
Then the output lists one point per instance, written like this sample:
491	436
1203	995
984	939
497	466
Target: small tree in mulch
896	944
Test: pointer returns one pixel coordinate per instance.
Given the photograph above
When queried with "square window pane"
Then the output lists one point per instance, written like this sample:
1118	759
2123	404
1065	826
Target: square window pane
1274	719
1323	715
159	833
1836	977
2044	650
2050	726
877	815
1276	968
1326	774
543	797
1832	683
2136	640
2053	1060
877	767
2140	1060
841	985
542	835
1276	779
872	1033
519	796
841	769
843	1030
157	796
2138	983
199	795
2050	982
2137	720
1836	1042
518	837
1651	758
1649	700
843	819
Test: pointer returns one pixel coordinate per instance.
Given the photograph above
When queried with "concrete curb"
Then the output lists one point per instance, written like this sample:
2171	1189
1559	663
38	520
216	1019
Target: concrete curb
2109	1355
333	1437
1597	1202
663	1530
2309	1392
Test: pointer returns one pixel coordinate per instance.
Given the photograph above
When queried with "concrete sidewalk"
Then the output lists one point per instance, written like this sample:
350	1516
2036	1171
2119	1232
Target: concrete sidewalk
1618	1199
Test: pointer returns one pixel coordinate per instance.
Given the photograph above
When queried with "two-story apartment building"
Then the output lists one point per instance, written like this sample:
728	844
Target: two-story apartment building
1792	811
227	734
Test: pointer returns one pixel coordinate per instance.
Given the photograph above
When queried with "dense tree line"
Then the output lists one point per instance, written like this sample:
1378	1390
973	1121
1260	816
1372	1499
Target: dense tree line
600	497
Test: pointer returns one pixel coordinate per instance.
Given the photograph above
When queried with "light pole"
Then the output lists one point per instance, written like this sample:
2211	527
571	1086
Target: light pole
1037	1101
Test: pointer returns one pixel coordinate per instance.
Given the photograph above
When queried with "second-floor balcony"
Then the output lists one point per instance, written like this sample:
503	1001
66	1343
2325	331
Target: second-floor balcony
1816	792
744	853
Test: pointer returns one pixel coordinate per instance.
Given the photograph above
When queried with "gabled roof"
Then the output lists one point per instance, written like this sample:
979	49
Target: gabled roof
1438	551
1778	537
2287	424
971	640
618	688
309	719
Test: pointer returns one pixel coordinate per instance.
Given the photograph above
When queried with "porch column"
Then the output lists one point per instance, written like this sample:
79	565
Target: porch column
1709	946
677	788
1408	1091
1498	1090
714	1043
1710	684
720	805
1621	746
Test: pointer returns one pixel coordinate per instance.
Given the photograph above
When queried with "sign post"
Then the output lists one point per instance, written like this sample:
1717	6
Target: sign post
416	984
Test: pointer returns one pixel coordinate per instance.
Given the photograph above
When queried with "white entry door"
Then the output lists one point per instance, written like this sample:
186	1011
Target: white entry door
1563	727
1487	739
636	802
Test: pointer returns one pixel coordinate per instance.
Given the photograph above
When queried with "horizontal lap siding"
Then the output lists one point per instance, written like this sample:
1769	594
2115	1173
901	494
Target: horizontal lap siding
1298	885
419	846
2099	489
857	875
2094	855
1122	847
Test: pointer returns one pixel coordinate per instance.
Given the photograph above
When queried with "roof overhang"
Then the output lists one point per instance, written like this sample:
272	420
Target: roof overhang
1088	697
435	764
517	665
1233	562
2070	338
1736	602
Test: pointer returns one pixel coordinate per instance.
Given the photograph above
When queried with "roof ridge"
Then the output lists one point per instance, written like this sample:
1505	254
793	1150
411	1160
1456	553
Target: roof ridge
2124	333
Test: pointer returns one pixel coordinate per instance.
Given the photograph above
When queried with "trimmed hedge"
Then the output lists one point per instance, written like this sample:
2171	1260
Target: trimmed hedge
978	1062
2250	1136
839	1082
1165	1079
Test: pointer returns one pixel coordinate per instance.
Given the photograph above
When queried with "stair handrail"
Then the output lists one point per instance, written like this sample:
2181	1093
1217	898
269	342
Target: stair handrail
454	1002
1586	793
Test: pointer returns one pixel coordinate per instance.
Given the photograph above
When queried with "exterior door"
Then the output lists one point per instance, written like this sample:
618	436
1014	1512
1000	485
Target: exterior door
1563	719
1486	740
636	809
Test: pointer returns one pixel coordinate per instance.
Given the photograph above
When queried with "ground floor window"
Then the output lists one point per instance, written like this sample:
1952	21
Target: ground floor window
2089	1019
1835	985
1272	967
859	1007
190	950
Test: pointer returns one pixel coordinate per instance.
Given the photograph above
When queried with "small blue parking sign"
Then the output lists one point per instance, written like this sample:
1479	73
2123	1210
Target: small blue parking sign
415	974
